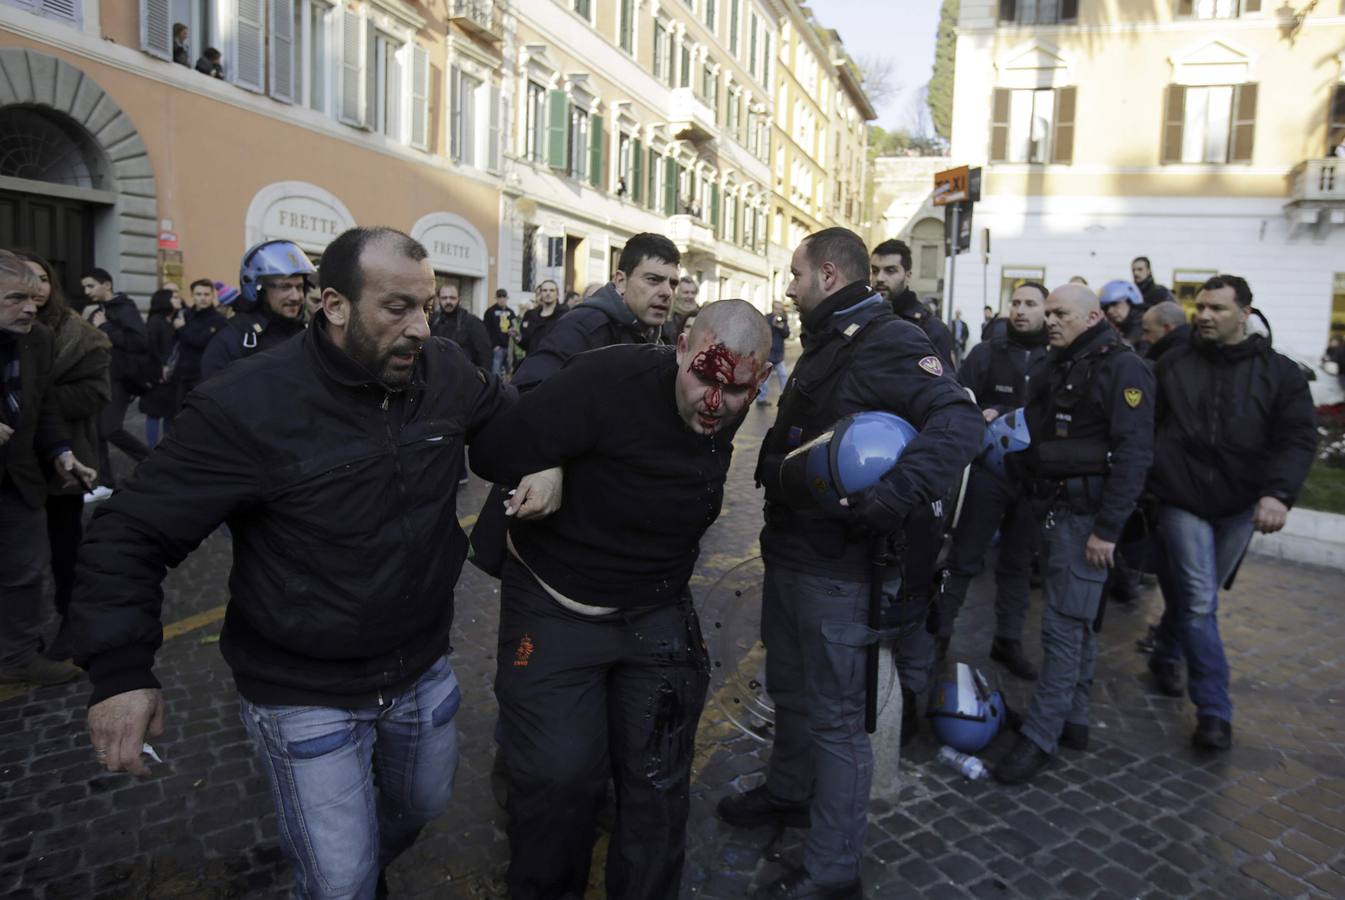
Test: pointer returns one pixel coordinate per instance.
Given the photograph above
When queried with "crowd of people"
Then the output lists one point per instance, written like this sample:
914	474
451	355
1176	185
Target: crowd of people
326	422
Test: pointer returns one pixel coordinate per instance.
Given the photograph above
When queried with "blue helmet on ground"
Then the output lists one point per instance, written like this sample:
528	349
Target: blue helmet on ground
1006	434
852	455
963	712
271	259
1118	290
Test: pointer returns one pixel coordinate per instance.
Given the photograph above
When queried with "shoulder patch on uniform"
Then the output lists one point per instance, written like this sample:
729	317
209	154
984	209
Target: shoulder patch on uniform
1133	396
931	365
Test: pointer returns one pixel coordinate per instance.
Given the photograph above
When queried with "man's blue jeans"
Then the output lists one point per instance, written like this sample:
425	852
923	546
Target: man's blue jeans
499	361
1198	556
780	372
336	828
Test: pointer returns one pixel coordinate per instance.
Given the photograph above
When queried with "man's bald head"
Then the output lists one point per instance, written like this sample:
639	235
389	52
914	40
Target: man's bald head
1162	319
721	364
734	323
1071	309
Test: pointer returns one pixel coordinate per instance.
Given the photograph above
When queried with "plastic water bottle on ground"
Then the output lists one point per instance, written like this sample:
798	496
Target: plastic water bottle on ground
970	766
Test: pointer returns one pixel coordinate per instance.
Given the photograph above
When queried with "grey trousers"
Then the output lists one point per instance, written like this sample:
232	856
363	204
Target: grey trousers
23	535
815	631
1073	590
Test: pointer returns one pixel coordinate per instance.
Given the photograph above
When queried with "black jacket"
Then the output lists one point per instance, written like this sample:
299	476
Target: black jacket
1235	424
534	328
161	401
1174	338
1132	330
465	330
131	362
499	321
996	370
247	333
892	367
39	433
192	339
602	320
640	488
1153	292
908	306
1097	391
340	497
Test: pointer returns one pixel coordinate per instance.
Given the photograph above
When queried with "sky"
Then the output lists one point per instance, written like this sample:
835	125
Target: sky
902	29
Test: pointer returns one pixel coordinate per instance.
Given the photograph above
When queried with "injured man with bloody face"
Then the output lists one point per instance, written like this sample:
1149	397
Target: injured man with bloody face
601	670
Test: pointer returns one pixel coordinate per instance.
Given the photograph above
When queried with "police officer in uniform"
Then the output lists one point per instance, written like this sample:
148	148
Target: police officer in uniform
890	269
996	372
857	357
1090	409
273	281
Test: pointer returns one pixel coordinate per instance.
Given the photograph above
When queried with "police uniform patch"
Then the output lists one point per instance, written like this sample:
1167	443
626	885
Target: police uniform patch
1133	396
931	365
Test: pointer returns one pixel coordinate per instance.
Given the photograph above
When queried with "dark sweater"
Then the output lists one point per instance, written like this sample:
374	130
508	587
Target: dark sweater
640	487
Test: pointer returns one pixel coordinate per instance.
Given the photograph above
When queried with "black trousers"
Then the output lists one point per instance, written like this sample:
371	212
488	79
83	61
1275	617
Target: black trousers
112	430
583	699
65	530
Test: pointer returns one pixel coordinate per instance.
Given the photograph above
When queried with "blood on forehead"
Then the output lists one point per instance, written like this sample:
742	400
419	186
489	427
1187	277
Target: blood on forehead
718	363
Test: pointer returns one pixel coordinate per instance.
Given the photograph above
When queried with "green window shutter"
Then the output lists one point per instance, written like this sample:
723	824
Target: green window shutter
669	186
558	130
1174	121
1064	125
653	200
714	208
596	145
1244	123
637	171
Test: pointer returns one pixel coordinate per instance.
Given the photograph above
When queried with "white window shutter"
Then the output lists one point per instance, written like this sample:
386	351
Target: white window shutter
420	97
282	50
493	134
65	10
156	31
353	50
248	45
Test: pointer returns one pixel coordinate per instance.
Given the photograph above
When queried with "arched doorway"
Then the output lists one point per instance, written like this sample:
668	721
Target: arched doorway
76	184
927	248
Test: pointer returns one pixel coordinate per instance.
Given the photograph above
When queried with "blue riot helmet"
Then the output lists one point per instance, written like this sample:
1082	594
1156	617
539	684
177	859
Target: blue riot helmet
1007	434
852	455
1118	290
963	712
271	259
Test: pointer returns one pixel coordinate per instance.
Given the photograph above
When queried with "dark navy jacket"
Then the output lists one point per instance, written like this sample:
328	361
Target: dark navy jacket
996	370
1098	390
192	339
1235	424
257	328
908	306
600	321
894	368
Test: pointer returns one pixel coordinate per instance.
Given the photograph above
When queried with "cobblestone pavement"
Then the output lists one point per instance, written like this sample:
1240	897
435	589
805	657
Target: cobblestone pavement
1141	813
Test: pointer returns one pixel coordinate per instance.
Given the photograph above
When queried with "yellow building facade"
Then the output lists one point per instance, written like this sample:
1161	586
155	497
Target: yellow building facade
1199	133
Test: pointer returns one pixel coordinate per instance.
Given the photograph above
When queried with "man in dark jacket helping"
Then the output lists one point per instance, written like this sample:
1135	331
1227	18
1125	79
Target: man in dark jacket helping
334	460
820	569
601	669
1236	437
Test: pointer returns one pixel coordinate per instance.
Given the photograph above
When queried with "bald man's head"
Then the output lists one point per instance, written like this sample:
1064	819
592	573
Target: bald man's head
1071	310
1161	320
721	364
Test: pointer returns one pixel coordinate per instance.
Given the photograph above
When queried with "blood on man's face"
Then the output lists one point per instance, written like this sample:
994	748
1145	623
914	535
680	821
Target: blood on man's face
714	384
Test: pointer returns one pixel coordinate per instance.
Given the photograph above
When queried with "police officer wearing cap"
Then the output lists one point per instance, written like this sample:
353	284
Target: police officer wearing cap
1090	410
857	356
996	372
272	280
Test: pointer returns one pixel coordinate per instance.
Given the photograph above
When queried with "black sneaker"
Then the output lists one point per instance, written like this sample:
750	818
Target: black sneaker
1074	736
797	884
1213	733
757	807
1022	763
1010	655
1167	677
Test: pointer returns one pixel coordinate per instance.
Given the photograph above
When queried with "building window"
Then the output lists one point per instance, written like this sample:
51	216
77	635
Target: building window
684	70
1011	278
579	148
534	123
733	26
711	11
1215	124
625	153
626	33
710	89
1335	126
1040	12
734	114
462	121
662	52
315	74
387	85
752	45
584	8
1033	126
1216	9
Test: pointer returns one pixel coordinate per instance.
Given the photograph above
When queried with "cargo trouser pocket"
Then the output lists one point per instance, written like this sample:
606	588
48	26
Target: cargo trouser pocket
844	644
1083	589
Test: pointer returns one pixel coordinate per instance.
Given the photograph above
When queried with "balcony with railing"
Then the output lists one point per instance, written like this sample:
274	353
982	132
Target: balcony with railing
690	233
690	118
1317	193
480	18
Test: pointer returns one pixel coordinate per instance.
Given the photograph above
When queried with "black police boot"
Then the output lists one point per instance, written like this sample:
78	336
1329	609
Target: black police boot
1074	736
797	884
910	716
757	807
1010	654
1022	763
941	649
1167	677
1213	733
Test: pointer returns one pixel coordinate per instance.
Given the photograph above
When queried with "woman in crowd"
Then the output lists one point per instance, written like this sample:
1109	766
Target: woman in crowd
160	405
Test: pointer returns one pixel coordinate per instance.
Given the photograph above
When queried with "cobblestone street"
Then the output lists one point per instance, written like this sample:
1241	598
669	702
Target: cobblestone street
1140	814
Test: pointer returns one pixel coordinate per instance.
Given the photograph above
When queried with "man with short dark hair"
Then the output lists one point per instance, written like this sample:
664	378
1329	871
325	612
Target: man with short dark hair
116	315
1236	438
630	309
203	322
500	322
456	323
334	460
890	269
857	356
601	668
1142	271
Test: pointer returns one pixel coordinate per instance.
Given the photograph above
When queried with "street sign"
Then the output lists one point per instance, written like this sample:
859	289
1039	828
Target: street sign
950	186
957	228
